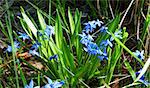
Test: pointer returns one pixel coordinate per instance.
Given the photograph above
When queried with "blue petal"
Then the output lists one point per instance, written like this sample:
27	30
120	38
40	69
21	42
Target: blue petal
90	26
26	86
31	84
139	54
105	43
85	39
16	46
144	82
9	48
103	29
24	36
53	57
47	86
102	57
92	48
58	84
49	31
35	46
99	23
118	34
49	80
33	52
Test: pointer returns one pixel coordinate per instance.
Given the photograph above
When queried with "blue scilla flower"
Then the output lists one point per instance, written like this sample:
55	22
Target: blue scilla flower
49	31
30	84
16	46
103	29
92	48
34	52
35	46
9	48
98	23
139	54
52	84
142	79
54	57
85	39
90	26
117	34
24	36
104	54
105	43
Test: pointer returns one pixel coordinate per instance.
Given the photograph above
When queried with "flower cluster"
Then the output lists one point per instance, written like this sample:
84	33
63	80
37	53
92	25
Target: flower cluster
87	39
49	31
23	36
50	84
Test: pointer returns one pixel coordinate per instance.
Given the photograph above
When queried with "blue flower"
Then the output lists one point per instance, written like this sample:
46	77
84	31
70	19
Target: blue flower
105	43
24	36
142	79
90	26
118	34
53	84
98	23
30	84
92	48
53	57
33	52
85	38
104	54
49	31
35	46
139	54
103	29
16	46
9	48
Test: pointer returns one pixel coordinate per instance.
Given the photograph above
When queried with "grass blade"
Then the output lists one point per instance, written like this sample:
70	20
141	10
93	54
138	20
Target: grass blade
72	25
29	23
41	20
128	66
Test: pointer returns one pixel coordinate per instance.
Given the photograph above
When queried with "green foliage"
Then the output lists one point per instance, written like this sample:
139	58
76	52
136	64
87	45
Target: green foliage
73	65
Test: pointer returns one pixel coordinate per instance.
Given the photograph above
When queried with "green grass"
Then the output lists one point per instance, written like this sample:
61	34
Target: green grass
75	66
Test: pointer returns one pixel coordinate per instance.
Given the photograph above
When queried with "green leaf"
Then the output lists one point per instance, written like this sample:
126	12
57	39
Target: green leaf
22	75
114	59
23	26
3	29
58	32
130	69
41	20
72	25
145	30
29	23
68	56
